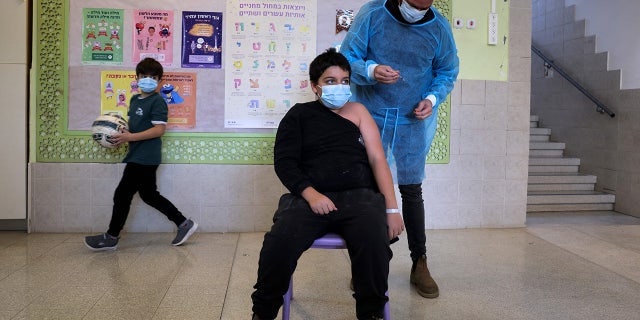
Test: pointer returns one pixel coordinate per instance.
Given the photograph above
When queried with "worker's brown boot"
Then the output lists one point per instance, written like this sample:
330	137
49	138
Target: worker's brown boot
421	278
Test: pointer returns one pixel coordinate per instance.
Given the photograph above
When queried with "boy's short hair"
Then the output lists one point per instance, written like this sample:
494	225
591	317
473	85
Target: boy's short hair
149	66
327	59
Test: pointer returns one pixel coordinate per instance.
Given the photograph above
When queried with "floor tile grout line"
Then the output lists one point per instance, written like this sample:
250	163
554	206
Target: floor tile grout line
233	262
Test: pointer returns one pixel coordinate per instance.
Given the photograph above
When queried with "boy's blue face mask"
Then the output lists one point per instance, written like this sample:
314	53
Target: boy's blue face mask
147	85
335	96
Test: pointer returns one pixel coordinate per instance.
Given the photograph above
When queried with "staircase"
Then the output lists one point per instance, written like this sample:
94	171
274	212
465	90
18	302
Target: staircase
554	181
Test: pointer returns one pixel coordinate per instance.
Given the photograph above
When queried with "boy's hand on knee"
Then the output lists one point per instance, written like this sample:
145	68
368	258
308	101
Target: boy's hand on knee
396	225
319	203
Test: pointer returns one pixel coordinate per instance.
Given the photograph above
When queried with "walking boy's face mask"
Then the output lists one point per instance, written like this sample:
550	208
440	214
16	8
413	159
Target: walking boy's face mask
147	85
410	13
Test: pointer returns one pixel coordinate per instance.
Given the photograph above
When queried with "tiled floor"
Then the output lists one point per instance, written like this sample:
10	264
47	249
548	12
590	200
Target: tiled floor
562	266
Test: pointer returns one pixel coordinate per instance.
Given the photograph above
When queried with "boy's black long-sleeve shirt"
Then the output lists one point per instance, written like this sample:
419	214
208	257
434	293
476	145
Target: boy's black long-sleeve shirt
316	147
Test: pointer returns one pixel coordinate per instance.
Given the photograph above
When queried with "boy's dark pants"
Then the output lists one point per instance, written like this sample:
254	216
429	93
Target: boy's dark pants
142	179
360	219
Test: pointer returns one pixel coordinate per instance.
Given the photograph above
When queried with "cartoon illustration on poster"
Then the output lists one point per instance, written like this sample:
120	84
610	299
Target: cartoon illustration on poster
116	89
153	35
270	44
179	91
102	36
201	39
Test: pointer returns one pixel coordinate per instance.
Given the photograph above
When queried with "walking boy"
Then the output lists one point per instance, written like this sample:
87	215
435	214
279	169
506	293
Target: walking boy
147	122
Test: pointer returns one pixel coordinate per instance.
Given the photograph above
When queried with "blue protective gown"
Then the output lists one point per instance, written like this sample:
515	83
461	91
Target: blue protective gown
426	56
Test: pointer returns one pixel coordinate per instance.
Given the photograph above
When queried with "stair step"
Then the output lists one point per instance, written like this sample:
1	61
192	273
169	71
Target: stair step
546	153
552	169
569	207
540	131
534	118
569	197
538	138
562	178
546	145
552	187
553	164
553	161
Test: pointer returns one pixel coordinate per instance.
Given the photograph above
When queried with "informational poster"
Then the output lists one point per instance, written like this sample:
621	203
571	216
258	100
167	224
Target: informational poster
201	39
270	44
153	36
116	90
102	36
179	91
177	88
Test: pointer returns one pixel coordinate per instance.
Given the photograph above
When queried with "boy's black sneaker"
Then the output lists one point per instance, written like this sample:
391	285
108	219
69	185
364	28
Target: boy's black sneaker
101	242
184	232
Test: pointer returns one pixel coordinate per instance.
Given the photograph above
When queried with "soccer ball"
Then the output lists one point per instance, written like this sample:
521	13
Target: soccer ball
105	126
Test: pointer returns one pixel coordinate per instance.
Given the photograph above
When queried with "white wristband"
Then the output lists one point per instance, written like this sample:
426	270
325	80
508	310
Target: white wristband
390	211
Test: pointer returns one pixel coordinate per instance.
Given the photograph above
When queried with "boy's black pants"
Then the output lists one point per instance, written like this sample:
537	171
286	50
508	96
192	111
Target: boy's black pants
360	219
142	179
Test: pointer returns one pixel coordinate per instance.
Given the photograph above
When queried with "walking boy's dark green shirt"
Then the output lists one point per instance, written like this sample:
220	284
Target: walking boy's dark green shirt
143	114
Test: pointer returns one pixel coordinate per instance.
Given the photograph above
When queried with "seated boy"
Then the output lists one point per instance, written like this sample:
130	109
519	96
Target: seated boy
329	156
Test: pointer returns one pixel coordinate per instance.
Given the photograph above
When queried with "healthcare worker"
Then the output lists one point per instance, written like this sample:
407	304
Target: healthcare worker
404	64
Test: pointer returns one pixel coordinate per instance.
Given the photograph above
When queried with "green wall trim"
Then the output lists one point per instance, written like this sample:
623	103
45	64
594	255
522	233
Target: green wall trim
54	143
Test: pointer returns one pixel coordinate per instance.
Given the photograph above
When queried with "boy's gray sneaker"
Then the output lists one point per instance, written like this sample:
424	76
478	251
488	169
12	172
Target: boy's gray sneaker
101	242
184	232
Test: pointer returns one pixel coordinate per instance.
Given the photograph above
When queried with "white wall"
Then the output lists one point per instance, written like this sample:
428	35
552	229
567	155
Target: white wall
13	68
483	186
615	24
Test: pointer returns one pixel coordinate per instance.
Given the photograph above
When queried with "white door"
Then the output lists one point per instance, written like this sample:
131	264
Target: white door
13	107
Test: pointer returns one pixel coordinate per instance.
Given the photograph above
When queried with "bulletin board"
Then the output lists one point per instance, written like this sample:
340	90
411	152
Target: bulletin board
64	83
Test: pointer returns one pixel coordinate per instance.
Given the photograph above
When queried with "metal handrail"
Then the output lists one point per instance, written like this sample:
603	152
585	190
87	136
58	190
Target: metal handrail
600	107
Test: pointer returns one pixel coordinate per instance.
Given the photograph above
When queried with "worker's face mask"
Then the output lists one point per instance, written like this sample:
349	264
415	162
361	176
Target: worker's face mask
410	13
335	96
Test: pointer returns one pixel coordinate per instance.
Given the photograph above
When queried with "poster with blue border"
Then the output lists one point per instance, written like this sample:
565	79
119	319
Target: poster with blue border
201	39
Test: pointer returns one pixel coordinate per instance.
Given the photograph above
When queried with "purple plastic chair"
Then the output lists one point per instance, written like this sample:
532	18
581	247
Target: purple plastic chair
328	241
